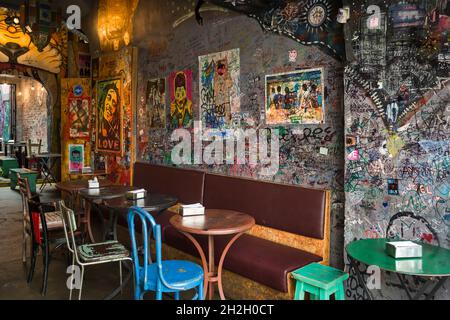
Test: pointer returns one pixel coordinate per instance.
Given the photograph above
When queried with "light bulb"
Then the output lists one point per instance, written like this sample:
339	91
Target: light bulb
32	88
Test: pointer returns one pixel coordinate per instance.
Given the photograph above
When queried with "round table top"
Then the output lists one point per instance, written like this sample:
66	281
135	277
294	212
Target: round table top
152	202
105	193
214	222
77	185
435	261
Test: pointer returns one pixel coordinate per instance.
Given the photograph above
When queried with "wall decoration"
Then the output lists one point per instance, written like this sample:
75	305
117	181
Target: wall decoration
393	187
5	111
309	22
295	98
109	116
84	65
18	46
76	157
219	88
156	103
181	108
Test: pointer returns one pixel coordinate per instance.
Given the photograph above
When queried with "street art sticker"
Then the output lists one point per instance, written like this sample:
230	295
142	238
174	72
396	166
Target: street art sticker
180	111
295	98
156	106
76	157
219	88
109	116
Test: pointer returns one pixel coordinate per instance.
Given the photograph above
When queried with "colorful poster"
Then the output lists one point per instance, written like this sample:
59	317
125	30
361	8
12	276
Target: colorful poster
219	88
109	116
76	157
156	103
78	118
180	87
295	98
84	65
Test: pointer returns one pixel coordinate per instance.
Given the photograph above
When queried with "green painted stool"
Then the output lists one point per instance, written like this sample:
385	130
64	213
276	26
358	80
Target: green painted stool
7	164
320	282
24	173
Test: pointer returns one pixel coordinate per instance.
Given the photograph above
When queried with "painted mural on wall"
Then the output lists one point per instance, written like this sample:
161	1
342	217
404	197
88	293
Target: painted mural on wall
5	112
397	97
109	116
181	107
219	88
295	98
261	54
17	47
156	102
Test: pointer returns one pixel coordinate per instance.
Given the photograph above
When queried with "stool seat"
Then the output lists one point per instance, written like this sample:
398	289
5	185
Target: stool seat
7	164
320	281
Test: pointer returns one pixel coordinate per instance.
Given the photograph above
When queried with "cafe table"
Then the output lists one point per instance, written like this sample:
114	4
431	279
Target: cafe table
96	196
214	222
434	266
153	203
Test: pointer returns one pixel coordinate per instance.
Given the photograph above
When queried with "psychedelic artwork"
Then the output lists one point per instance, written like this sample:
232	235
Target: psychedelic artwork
295	98
5	111
219	88
180	112
156	103
109	116
76	157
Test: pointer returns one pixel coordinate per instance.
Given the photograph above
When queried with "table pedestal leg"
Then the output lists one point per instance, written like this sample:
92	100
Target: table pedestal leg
222	258
87	215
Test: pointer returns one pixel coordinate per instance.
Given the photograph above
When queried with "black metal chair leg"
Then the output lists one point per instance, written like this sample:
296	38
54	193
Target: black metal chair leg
46	260
34	251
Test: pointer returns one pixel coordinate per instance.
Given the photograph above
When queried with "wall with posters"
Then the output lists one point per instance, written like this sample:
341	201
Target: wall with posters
230	55
397	97
76	120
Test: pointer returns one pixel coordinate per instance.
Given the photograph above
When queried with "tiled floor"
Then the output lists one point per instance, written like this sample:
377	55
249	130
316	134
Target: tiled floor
99	280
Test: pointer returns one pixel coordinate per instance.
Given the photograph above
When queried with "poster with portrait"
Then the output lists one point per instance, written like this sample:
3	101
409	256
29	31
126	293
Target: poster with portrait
180	110
109	138
219	88
295	98
78	117
76	157
156	103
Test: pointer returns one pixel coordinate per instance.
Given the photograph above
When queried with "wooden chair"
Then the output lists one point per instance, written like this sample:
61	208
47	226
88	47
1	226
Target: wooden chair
172	276
42	224
32	151
90	254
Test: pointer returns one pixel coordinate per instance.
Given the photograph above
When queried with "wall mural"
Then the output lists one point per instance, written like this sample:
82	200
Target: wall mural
309	22
181	107
109	116
219	88
17	47
397	96
5	111
295	98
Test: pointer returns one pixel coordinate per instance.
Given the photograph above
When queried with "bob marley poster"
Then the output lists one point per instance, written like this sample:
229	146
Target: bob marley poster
109	116
180	86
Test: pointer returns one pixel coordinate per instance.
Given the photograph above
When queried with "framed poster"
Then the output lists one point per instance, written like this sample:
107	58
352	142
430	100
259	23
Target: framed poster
295	98
84	65
76	157
109	137
78	118
180	87
156	103
219	88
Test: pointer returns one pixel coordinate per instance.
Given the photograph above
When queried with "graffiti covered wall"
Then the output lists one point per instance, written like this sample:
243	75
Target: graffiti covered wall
170	40
397	109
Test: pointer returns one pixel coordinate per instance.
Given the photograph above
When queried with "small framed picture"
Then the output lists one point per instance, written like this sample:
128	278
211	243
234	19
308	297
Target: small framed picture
393	187
76	158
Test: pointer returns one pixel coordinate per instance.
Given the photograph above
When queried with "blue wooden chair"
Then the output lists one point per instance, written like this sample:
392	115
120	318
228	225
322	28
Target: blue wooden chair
171	276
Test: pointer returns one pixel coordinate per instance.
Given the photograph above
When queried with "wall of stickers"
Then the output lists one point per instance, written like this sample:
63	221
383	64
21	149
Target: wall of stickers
217	73
397	98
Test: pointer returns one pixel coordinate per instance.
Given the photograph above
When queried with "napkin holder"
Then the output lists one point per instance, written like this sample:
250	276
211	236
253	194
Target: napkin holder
404	249
136	194
192	210
93	184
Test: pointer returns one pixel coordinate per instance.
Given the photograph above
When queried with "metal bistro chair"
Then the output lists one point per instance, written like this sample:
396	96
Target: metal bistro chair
90	254
172	276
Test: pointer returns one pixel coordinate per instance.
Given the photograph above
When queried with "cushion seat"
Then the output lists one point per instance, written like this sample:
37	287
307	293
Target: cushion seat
102	251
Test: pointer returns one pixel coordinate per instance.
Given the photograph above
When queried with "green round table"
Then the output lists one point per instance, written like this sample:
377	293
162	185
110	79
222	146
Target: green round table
435	263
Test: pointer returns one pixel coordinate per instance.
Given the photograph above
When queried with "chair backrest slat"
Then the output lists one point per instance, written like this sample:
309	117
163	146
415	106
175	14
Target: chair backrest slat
70	227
